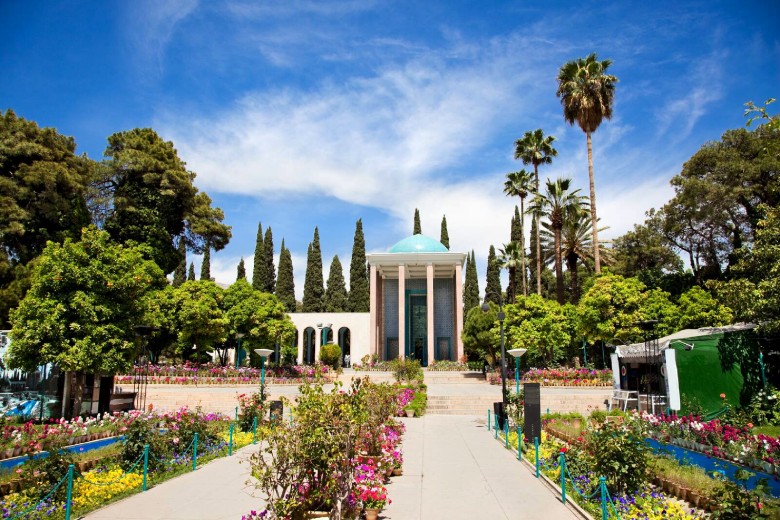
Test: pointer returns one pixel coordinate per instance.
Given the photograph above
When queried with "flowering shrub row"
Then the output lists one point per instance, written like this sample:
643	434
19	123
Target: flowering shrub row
189	374
568	376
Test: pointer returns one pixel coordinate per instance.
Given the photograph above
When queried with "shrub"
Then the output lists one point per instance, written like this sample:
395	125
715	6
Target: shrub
251	407
621	456
330	354
406	369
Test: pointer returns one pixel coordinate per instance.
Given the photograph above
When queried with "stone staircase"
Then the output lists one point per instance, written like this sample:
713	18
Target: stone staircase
476	405
453	378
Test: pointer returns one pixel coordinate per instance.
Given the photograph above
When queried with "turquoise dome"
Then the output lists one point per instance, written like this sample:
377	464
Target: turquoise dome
418	244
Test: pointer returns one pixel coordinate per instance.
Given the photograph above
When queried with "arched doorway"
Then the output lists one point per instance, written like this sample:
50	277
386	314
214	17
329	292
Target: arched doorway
308	346
344	343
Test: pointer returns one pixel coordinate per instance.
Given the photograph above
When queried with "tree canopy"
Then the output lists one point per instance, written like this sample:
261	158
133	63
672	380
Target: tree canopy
85	299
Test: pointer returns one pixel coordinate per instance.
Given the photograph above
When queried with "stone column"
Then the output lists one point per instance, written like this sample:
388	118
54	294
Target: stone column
373	345
401	311
300	340
429	305
458	311
317	344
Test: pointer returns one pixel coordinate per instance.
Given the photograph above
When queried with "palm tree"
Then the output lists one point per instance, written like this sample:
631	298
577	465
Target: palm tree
558	204
534	148
587	93
576	247
510	259
520	184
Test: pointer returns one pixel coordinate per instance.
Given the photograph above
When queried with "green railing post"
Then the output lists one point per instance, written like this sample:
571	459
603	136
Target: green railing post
146	465
603	486
506	434
562	460
490	423
69	496
548	411
230	444
236	413
254	430
195	452
519	441
536	449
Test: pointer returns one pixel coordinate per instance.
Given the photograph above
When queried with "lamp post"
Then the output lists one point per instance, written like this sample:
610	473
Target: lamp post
517	353
239	335
501	316
263	353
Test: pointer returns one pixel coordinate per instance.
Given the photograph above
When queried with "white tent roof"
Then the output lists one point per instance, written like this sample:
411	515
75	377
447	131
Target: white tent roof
638	351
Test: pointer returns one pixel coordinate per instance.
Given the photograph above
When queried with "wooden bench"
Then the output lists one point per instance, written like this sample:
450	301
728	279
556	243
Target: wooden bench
624	396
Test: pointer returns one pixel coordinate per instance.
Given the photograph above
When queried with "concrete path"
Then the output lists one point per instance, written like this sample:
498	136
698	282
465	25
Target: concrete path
453	470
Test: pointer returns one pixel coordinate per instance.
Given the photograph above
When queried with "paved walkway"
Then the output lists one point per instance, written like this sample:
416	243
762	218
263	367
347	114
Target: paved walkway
453	470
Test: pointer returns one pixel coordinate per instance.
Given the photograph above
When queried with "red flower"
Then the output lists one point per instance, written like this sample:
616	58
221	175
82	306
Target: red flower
564	449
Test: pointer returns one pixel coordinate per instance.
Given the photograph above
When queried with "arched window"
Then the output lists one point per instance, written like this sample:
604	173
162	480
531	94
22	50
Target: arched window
308	345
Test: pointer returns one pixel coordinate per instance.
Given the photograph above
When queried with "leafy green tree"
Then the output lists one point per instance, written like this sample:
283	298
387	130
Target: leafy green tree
558	204
161	312
313	284
417	226
205	267
493	278
699	309
154	200
202	320
336	292
258	315
285	283
85	299
480	337
510	259
534	148
268	259
471	287
520	184
191	272
358	298
610	308
755	293
538	325
587	93
644	252
445	236
180	273
657	305
241	270
259	270
43	192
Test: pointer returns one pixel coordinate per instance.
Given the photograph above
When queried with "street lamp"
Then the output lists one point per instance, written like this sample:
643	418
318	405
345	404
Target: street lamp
517	353
239	335
501	316
263	353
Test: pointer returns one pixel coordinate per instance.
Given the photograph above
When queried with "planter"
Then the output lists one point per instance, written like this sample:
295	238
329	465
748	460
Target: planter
5	488
397	472
17	451
318	514
409	412
8	453
372	514
694	498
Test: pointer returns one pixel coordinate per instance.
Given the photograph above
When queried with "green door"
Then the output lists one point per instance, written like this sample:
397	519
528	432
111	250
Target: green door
417	346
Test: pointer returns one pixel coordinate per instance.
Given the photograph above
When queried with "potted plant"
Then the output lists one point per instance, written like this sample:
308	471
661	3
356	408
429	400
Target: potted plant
409	411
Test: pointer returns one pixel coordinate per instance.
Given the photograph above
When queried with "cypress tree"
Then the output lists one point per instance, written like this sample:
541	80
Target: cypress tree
313	284
445	237
417	227
336	293
516	236
532	259
285	283
493	282
258	269
180	274
191	272
241	270
471	287
205	267
358	273
268	259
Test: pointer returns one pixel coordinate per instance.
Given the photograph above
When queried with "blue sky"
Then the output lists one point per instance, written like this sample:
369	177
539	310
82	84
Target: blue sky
307	113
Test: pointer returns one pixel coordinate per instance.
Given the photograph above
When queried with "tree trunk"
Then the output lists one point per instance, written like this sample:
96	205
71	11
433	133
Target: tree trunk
522	245
538	242
596	256
571	266
510	291
558	266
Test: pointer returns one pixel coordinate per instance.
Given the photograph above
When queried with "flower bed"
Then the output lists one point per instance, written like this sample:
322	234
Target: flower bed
191	374
568	377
